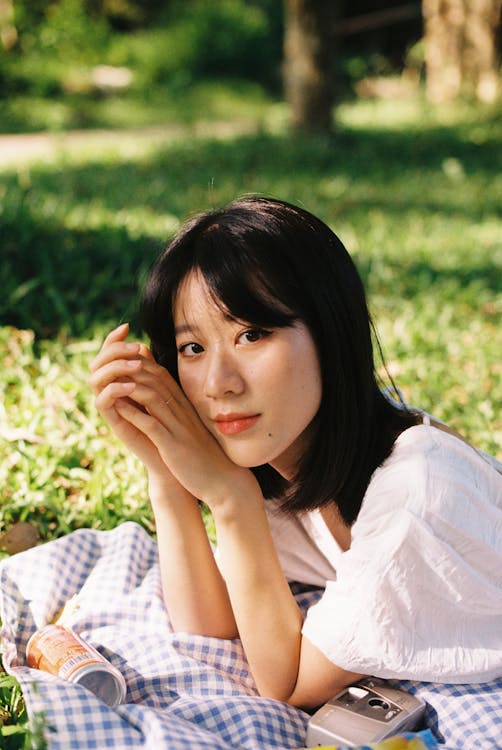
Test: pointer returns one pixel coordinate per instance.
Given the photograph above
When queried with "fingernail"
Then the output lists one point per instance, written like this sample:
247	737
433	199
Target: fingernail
132	363
132	347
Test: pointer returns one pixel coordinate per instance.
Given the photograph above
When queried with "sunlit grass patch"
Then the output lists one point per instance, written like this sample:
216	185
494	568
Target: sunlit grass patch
61	466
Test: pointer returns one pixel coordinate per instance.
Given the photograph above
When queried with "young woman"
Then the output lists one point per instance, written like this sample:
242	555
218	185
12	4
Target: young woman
259	397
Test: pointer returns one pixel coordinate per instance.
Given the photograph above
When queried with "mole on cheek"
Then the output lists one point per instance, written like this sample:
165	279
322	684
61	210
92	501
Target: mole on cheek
270	434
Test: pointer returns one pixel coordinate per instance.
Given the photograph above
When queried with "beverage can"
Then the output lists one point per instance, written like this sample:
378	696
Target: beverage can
60	651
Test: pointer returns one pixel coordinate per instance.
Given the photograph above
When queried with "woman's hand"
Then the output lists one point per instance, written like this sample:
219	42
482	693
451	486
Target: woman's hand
149	412
111	382
158	408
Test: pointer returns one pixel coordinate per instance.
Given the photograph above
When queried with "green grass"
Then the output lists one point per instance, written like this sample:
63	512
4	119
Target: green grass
16	731
415	195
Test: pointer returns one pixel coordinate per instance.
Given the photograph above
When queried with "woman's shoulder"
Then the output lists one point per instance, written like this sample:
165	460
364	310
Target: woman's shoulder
434	449
435	438
430	472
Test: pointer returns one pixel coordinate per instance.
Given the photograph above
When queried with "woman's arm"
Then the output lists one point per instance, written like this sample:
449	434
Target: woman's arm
285	665
194	590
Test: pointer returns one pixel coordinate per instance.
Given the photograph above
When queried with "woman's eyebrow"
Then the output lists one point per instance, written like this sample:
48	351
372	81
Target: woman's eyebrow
185	328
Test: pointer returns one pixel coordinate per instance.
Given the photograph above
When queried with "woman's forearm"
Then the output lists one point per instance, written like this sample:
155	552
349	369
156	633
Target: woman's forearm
194	590
268	618
284	664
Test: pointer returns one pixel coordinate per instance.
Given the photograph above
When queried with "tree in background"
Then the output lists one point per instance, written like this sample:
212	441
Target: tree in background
310	56
8	32
460	39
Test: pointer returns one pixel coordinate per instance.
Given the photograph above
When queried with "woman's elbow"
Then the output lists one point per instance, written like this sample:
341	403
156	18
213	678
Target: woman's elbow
295	698
308	696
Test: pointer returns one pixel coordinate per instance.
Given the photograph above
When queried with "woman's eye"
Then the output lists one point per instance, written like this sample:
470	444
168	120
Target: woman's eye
253	334
190	350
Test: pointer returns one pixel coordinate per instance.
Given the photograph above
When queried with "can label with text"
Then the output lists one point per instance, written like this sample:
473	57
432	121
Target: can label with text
61	652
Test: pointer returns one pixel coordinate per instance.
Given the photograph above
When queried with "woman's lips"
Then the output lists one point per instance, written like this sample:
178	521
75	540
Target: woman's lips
232	424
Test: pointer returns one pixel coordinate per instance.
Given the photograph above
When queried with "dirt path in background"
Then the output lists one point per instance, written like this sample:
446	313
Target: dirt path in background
17	150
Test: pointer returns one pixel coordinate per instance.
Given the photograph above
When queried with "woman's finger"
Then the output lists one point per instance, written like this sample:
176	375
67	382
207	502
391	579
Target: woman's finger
117	369
114	350
160	403
118	333
146	373
107	398
149	425
145	352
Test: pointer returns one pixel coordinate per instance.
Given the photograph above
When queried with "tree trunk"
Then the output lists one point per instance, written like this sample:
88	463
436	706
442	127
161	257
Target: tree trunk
310	54
8	32
460	39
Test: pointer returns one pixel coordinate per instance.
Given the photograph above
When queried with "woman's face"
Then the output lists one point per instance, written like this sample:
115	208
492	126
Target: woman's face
257	391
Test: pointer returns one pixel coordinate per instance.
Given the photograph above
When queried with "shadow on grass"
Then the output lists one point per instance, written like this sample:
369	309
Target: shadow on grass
74	275
58	279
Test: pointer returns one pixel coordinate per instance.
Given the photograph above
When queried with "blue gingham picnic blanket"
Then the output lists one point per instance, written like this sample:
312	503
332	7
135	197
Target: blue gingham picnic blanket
183	691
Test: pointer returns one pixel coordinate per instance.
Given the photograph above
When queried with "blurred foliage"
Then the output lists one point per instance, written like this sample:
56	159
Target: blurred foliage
189	40
53	77
228	38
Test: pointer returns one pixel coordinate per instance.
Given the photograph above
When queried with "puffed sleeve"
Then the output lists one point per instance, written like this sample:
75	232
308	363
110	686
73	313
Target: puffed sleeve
419	593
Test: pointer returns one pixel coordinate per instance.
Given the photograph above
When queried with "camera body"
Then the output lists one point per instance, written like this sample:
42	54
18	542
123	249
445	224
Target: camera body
364	713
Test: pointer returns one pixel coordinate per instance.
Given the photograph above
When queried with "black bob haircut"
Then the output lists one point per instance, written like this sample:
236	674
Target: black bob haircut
269	263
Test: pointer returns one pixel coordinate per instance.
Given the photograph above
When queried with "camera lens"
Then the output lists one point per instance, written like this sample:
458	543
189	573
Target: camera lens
378	703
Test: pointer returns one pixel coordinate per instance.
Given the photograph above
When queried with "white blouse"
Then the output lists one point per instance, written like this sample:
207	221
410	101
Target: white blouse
419	593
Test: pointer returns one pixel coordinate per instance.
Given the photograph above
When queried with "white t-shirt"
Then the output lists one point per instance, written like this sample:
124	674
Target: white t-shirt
419	593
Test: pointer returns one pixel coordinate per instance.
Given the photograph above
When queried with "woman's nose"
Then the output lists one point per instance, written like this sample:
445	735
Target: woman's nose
223	376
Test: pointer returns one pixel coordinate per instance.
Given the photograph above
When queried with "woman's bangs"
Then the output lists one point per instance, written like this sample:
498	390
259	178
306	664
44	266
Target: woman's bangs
243	288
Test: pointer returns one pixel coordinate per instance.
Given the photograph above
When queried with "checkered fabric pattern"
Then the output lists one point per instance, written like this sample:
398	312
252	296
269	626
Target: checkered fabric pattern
183	691
461	717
